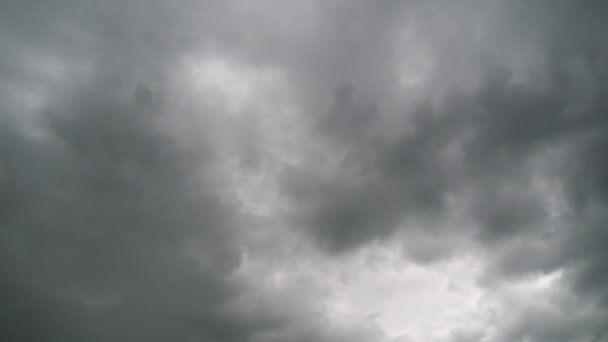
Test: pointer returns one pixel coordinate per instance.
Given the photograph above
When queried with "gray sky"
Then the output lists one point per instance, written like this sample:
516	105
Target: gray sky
295	171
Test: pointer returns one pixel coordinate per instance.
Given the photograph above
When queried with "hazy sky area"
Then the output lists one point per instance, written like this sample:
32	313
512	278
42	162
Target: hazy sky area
304	171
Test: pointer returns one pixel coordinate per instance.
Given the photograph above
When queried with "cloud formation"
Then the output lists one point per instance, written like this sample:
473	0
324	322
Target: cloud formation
254	170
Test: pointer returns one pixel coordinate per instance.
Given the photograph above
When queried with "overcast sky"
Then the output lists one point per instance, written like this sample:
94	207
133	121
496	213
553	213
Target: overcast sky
304	171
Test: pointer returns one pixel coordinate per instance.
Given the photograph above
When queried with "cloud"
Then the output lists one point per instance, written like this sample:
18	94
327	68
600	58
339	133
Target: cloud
262	171
114	219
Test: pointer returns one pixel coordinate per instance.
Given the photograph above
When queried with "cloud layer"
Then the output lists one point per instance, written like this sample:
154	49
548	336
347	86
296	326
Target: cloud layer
254	170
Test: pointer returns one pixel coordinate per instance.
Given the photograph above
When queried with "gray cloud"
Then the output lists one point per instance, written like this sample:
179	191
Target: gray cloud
95	225
111	227
479	142
438	123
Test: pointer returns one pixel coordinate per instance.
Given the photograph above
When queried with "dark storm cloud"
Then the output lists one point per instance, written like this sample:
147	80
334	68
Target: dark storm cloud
497	125
95	224
412	175
110	228
478	141
111	231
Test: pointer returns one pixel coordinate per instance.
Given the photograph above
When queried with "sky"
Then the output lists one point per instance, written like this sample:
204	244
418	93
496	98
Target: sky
304	171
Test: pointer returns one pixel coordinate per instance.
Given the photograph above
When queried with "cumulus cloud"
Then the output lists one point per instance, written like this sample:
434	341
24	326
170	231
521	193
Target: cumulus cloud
254	170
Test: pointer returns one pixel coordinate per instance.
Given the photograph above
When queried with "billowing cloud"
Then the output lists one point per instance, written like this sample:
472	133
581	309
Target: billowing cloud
256	170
